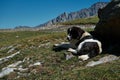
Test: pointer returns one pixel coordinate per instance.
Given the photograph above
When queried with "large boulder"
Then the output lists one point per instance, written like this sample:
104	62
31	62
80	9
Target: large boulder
108	26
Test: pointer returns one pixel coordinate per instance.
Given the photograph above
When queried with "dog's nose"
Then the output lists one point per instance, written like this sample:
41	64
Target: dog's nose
67	38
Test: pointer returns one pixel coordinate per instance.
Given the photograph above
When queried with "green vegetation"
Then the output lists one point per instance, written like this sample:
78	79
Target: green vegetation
92	20
37	46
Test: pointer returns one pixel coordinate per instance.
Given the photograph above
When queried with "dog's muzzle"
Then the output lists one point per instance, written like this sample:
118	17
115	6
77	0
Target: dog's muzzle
68	38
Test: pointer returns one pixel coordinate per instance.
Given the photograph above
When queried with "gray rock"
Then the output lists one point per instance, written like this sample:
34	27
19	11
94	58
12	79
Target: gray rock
4	59
102	60
69	56
10	68
109	24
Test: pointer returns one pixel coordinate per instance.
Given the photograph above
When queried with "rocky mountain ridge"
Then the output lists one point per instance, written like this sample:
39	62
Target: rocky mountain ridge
83	13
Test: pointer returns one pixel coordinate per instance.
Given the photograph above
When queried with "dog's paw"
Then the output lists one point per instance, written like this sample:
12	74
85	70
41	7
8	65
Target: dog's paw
70	50
55	45
73	51
83	57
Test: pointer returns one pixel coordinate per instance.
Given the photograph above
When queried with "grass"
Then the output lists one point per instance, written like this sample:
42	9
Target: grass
91	20
38	46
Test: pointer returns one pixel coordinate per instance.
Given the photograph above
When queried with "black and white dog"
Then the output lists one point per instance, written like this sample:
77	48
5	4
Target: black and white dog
84	44
81	44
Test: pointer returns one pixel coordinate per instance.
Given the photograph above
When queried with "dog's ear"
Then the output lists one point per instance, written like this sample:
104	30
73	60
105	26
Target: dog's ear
80	32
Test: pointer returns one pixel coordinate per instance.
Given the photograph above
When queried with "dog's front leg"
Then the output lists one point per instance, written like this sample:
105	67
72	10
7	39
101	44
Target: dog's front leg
72	50
65	45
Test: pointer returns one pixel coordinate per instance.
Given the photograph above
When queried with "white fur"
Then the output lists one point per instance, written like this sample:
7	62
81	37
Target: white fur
72	50
90	40
83	57
69	37
85	34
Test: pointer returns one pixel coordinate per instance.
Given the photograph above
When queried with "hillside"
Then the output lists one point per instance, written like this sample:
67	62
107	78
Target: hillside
83	13
91	20
29	55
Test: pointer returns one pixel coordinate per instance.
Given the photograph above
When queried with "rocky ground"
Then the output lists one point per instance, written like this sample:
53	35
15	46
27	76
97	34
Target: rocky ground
30	55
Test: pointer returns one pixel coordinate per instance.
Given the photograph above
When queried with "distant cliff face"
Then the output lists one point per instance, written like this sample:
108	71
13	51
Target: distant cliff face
84	13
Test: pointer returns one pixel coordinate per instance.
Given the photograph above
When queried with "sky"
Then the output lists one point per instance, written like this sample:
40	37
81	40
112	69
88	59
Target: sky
35	12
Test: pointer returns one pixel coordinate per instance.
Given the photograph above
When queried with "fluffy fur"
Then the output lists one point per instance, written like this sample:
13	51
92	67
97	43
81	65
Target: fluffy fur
84	46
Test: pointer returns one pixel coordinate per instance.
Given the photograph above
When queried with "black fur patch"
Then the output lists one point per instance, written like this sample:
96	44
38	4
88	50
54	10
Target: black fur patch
90	48
84	38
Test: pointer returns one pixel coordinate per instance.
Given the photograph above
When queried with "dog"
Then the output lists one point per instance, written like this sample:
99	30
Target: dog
81	44
85	46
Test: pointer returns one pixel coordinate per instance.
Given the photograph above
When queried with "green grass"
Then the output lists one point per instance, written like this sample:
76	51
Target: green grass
92	20
7	38
54	66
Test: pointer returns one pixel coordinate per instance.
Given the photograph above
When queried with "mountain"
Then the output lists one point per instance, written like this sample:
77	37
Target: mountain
20	27
83	13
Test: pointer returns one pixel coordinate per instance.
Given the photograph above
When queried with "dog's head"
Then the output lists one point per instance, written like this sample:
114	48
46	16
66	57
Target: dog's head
74	33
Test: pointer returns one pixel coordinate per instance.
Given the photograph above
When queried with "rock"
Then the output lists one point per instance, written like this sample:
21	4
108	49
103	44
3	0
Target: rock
4	59
4	48
68	56
37	64
108	26
46	45
102	60
11	50
10	68
6	72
